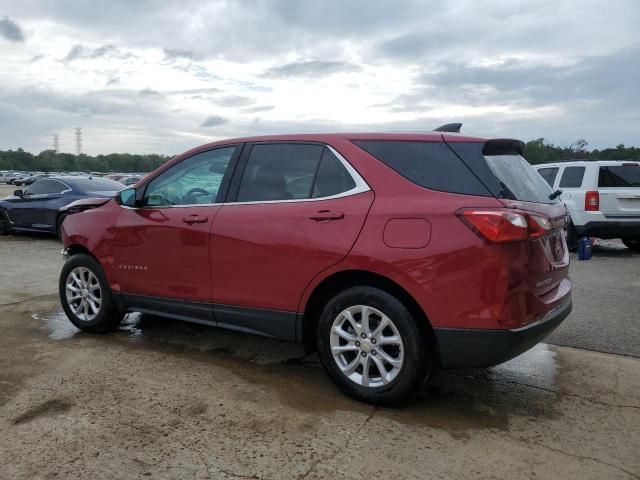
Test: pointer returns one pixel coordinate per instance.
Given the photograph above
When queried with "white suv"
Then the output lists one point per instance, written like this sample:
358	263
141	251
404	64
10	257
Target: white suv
602	197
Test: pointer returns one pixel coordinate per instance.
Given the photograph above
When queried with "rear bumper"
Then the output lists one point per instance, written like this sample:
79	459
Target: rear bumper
610	229
474	348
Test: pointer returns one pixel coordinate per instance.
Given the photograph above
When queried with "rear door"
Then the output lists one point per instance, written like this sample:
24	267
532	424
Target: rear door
295	210
619	187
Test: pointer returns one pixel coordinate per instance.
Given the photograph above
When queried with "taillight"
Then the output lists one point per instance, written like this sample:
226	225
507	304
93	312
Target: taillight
592	201
539	226
497	225
502	226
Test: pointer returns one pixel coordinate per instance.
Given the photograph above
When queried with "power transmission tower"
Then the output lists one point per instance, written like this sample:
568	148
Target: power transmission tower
56	142
78	136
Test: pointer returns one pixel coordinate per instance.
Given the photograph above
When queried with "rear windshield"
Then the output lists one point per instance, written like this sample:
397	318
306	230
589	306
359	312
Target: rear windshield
518	179
623	176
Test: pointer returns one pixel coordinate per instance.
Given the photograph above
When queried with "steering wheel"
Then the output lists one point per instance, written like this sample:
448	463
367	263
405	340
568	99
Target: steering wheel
196	191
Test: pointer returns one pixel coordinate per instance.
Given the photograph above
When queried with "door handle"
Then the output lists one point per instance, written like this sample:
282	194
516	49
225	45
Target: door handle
326	215
191	219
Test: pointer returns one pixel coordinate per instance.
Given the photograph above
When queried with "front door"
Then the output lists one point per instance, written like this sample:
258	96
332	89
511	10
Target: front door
30	210
162	249
297	210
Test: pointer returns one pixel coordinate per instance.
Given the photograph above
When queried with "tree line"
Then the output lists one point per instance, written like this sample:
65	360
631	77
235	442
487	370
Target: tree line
541	151
536	152
50	161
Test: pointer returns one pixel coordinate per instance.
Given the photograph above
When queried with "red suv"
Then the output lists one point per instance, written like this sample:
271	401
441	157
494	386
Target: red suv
392	255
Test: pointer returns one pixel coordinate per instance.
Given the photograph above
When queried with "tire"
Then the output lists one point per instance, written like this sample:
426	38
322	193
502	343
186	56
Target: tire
59	221
88	270
413	353
632	244
572	237
4	224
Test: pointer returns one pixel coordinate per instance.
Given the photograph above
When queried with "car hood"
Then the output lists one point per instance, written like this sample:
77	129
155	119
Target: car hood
108	194
86	203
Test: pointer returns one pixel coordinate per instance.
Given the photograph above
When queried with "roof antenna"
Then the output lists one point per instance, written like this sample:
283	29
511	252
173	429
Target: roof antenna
449	127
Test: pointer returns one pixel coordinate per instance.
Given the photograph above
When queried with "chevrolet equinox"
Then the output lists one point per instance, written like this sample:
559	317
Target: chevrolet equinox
391	255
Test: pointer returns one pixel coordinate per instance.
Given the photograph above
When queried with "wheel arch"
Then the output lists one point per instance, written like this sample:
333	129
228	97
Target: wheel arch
76	249
344	279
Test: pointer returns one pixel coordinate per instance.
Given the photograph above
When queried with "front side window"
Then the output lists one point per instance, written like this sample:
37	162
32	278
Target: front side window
549	174
572	177
279	171
193	181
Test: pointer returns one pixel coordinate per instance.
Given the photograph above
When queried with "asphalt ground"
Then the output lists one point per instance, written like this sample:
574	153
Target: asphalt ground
165	399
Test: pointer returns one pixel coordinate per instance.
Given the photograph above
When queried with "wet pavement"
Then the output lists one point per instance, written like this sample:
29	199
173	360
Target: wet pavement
165	399
605	316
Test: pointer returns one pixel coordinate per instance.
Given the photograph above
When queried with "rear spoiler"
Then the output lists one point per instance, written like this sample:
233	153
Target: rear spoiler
495	146
503	146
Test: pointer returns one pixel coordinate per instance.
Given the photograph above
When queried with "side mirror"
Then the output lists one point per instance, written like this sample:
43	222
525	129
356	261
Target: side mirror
18	193
127	197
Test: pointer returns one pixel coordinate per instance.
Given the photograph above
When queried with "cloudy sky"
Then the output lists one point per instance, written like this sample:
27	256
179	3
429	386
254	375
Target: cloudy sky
156	76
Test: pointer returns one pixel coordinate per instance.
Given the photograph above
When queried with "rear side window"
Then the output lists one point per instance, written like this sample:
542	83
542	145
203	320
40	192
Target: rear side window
279	171
549	174
572	177
428	164
623	176
332	177
47	187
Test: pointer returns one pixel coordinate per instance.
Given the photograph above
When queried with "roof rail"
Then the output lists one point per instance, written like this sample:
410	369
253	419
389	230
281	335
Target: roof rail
449	127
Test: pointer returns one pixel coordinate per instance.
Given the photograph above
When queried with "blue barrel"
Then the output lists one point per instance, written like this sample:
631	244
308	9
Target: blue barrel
584	248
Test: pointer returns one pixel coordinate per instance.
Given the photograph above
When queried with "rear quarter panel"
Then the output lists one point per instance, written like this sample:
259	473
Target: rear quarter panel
456	278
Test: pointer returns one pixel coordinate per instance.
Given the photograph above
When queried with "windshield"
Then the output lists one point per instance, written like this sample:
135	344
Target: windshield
97	185
518	179
623	176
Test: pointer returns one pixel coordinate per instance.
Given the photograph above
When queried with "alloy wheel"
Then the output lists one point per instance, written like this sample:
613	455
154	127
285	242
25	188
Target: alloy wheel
83	293
366	346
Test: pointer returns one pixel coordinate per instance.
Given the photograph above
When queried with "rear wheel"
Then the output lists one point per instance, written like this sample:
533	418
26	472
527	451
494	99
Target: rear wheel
86	297
371	346
632	243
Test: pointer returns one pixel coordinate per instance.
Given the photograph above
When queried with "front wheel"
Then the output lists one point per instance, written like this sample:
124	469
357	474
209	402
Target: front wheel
371	346
5	229
632	243
86	297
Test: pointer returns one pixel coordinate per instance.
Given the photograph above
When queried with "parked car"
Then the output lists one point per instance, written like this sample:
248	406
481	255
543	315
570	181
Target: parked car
37	208
25	181
602	197
392	255
11	177
130	180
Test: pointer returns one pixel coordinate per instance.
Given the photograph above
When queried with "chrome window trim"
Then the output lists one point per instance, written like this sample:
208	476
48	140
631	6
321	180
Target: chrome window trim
361	187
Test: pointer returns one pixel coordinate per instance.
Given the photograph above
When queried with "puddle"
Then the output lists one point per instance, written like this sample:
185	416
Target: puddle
59	326
536	367
457	401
